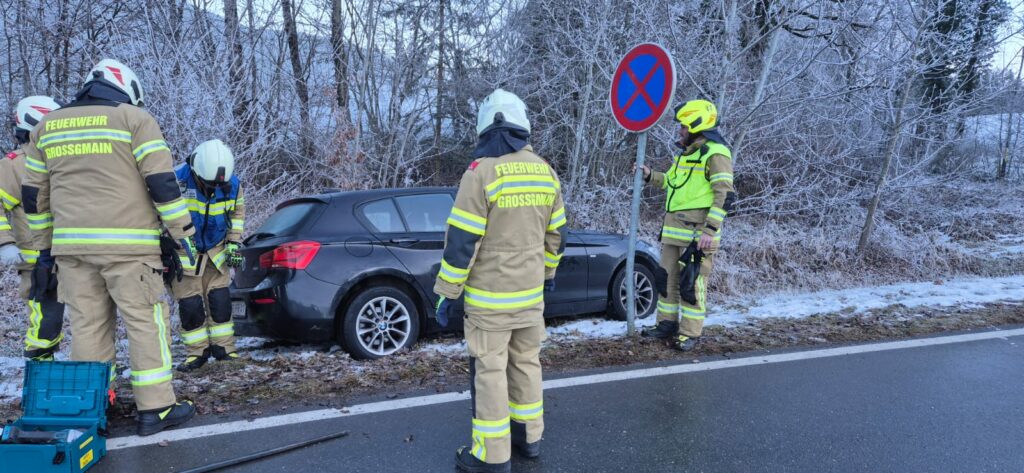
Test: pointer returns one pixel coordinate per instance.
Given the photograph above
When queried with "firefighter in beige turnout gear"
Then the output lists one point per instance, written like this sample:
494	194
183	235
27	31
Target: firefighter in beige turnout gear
98	185
699	195
46	316
217	209
504	241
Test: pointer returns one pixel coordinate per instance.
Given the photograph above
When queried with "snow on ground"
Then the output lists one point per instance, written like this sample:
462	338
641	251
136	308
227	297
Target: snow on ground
962	291
10	377
265	349
1008	245
445	347
967	292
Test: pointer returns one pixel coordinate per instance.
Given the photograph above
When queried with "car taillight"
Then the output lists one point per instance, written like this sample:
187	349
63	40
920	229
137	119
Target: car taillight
294	255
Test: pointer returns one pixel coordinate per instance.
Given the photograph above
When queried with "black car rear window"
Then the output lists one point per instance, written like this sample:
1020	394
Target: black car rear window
287	221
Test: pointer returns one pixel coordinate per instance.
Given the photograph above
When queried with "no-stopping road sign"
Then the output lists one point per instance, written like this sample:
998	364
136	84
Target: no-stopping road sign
642	87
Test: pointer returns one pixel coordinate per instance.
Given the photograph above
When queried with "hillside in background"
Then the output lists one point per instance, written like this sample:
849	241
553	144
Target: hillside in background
866	148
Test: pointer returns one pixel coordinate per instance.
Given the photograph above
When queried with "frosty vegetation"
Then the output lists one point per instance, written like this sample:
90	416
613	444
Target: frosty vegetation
873	139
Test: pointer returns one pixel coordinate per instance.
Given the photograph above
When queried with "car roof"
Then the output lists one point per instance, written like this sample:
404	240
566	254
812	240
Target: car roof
370	194
359	196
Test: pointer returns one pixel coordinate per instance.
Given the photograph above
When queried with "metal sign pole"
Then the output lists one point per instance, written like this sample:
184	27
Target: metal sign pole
634	217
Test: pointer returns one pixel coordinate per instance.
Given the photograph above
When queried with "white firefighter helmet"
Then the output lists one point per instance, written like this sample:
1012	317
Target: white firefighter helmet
213	162
30	111
119	76
510	106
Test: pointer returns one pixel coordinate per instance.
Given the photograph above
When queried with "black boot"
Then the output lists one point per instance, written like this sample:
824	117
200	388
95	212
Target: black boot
193	363
526	449
466	462
220	354
685	344
151	422
663	331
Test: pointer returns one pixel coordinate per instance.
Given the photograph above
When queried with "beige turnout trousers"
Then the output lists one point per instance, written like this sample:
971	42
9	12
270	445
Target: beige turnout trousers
92	286
204	307
690	316
506	387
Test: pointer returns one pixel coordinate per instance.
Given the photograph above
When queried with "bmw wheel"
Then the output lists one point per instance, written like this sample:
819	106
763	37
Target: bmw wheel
646	294
378	322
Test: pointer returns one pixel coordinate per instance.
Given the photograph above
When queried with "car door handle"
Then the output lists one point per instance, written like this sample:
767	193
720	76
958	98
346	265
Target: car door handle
404	241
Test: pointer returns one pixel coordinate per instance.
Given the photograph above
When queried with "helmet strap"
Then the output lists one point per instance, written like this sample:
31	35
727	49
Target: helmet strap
21	136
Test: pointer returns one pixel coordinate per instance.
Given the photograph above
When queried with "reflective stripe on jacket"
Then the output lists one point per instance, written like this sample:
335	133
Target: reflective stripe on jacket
696	190
506	235
14	226
100	182
217	218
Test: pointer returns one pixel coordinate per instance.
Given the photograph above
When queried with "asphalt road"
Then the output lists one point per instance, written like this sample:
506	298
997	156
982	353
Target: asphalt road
947	408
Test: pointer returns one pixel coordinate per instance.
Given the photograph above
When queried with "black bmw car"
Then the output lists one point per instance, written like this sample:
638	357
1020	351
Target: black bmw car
359	267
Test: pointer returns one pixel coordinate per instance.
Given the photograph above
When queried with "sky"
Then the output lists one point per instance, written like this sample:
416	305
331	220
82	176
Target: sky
1009	55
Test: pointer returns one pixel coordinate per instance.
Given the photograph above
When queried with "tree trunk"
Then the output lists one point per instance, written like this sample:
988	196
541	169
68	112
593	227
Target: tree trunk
440	93
240	102
1004	158
340	57
301	89
762	83
890	151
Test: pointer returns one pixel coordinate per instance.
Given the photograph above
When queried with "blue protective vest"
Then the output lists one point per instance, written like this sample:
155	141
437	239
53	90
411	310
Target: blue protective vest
211	216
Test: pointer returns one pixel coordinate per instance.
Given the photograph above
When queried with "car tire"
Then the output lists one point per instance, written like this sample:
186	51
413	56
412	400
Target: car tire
647	293
375	321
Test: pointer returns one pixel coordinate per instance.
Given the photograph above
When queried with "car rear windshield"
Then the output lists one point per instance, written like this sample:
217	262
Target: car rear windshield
288	220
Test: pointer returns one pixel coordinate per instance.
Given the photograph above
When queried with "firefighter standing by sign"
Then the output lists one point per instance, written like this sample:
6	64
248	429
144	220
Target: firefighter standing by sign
699	194
214	197
99	182
46	316
506	235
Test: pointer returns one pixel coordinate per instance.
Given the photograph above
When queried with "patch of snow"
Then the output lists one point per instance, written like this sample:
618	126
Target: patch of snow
1008	245
967	292
447	348
266	354
250	342
11	369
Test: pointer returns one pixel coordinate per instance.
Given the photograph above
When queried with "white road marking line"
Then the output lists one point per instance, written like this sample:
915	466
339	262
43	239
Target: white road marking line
190	433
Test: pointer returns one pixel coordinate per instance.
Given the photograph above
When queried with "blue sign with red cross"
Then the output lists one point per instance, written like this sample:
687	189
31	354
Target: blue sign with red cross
642	87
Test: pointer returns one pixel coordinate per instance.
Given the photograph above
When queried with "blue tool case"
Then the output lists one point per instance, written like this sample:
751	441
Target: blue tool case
64	422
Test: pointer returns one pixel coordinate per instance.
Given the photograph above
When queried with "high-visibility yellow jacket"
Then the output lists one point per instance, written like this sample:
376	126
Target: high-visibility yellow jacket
506	236
13	224
100	182
698	192
218	218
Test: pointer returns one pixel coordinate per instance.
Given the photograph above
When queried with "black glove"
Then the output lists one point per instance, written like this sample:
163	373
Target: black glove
549	285
690	262
661	281
169	257
43	280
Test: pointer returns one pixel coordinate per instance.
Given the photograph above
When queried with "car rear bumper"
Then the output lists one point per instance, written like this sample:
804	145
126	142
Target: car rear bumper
297	308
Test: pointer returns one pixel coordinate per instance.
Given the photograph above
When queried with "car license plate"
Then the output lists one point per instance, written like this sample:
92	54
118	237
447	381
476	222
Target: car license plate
238	309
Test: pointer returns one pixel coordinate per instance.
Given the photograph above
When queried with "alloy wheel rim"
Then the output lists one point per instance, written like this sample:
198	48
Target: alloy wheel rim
644	294
383	326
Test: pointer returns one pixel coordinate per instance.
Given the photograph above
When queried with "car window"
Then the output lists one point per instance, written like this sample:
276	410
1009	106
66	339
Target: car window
287	221
426	212
383	216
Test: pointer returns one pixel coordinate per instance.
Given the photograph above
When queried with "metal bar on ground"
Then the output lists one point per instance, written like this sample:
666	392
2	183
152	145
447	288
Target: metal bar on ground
264	454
